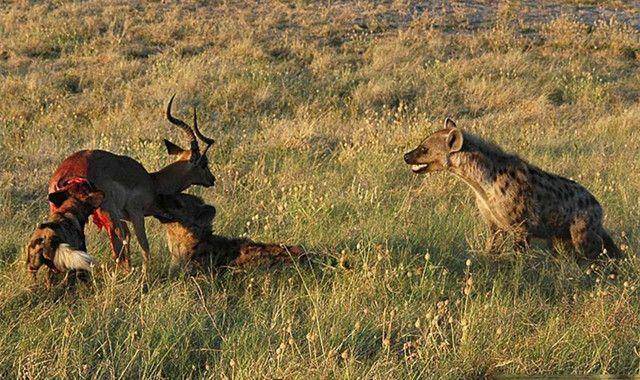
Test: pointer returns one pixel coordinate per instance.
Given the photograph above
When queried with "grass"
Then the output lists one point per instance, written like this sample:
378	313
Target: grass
316	103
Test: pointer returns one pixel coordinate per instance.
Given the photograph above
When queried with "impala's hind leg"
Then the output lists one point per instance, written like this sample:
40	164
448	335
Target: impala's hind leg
118	237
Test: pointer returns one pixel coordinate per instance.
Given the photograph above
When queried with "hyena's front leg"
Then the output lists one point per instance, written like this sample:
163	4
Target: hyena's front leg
494	239
585	237
559	245
521	240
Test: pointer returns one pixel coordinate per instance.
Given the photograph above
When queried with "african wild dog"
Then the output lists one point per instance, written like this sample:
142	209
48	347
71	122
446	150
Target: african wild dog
59	243
515	196
191	240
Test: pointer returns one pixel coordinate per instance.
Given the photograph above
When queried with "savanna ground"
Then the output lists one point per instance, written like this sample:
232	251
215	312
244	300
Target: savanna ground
316	103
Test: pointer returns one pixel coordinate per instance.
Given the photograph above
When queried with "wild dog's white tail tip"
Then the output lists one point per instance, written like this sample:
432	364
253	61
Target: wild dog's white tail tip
68	258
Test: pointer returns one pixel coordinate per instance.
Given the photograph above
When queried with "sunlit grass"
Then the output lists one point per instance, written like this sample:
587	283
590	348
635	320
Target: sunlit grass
315	105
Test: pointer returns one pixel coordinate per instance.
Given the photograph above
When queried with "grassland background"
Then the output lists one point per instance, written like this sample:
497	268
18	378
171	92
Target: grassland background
316	101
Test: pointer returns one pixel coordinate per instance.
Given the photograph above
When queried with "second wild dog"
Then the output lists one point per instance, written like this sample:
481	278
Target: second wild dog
59	243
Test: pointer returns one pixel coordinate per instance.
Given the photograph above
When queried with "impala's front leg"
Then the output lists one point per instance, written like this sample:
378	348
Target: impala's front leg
118	237
137	219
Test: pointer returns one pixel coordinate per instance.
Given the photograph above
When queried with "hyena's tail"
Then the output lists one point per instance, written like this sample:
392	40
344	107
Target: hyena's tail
607	243
252	253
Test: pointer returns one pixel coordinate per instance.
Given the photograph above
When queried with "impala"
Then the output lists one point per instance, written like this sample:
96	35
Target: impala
130	191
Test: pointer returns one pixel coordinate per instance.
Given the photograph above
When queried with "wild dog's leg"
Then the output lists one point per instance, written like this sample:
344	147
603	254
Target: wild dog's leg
137	219
48	279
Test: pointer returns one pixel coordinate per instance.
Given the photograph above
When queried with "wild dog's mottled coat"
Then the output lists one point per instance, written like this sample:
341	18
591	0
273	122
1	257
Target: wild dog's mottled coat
513	195
59	243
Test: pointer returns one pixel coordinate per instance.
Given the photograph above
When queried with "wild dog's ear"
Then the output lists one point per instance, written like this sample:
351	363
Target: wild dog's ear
207	213
454	140
87	193
58	197
95	198
172	148
44	225
50	246
448	123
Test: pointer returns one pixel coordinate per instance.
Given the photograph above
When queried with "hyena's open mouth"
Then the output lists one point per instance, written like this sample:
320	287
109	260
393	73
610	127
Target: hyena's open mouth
421	168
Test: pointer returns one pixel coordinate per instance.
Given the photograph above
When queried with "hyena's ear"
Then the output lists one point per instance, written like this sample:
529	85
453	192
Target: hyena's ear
58	197
172	148
455	140
448	123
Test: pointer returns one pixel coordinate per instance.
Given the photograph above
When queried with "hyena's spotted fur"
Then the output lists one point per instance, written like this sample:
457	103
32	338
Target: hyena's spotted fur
513	195
192	242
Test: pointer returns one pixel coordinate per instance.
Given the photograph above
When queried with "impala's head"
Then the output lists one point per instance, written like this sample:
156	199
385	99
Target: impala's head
192	164
434	152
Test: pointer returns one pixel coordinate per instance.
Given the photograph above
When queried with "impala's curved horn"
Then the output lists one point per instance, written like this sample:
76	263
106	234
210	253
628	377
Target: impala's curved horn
208	141
183	126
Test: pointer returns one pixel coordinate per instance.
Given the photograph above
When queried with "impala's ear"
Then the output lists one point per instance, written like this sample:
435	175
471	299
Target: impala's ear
58	197
455	140
448	123
172	148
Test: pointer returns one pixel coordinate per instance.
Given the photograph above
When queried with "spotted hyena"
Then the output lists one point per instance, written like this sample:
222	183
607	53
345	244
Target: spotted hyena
513	195
192	241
